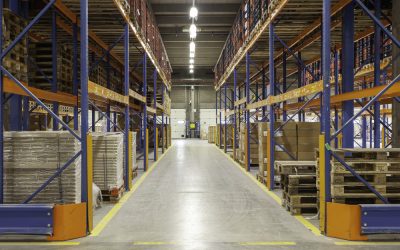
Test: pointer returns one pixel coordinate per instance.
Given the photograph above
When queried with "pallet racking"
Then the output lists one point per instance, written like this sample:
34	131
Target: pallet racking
110	44
331	60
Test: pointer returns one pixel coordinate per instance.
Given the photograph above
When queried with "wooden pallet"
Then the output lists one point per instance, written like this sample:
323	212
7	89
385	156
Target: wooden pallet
295	167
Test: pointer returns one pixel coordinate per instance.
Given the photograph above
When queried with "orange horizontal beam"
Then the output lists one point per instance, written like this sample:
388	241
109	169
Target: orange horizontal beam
61	97
358	94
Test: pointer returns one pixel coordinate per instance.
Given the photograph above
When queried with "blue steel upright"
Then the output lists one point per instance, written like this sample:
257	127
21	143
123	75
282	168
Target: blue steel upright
377	74
225	125
126	93
348	73
326	95
234	111
54	80
1	110
145	158
247	113
284	83
75	80
84	96
271	146
155	115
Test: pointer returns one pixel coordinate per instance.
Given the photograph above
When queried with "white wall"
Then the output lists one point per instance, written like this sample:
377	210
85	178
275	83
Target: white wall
207	118
177	127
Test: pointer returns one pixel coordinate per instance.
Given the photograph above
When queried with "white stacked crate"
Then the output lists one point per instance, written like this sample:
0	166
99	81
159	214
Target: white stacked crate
31	158
108	160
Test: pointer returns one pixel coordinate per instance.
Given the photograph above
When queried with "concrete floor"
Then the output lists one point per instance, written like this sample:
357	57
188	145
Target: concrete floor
195	198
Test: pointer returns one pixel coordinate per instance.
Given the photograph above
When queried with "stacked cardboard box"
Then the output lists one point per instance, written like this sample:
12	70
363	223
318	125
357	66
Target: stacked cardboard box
31	158
308	140
253	141
108	152
221	129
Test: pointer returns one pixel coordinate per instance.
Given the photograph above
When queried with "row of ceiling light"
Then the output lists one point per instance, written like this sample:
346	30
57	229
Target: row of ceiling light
193	33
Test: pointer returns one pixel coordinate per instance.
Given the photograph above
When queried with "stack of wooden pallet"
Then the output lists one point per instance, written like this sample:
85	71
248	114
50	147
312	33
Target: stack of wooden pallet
380	167
134	156
16	60
108	164
31	158
41	66
298	182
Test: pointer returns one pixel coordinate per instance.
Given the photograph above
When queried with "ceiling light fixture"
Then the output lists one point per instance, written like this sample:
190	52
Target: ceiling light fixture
193	31
191	71
191	66
191	55
191	61
193	12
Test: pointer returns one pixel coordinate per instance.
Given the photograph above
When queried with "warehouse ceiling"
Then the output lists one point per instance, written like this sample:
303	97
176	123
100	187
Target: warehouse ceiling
214	23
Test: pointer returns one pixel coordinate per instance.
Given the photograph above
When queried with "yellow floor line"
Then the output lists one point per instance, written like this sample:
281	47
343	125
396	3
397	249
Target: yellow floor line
106	219
153	243
362	243
268	243
276	198
61	243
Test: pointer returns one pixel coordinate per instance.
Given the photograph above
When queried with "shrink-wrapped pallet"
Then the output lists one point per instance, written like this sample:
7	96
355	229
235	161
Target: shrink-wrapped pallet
31	158
108	160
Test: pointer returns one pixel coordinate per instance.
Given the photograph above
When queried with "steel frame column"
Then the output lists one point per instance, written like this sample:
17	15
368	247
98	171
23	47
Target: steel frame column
325	115
348	73
264	94
1	110
162	119
377	74
145	150
336	72
54	80
284	84
84	99
75	72
271	146
155	115
225	125
126	93
247	112
299	82
220	118
234	113
109	87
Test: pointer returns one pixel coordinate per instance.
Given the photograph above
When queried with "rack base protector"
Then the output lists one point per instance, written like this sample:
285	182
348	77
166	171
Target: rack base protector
69	222
344	221
380	219
26	219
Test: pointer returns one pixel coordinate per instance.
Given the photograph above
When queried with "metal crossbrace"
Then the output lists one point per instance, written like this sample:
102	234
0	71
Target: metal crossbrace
55	175
372	114
297	112
295	56
374	99
105	115
105	53
355	174
286	151
26	90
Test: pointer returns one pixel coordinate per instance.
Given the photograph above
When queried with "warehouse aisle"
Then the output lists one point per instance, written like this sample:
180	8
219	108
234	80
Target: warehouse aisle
195	198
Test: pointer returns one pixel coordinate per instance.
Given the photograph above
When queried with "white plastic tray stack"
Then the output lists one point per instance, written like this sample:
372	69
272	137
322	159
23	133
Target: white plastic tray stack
30	158
108	152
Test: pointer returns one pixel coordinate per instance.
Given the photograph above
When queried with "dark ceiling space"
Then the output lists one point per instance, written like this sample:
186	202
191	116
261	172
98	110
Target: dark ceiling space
213	25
